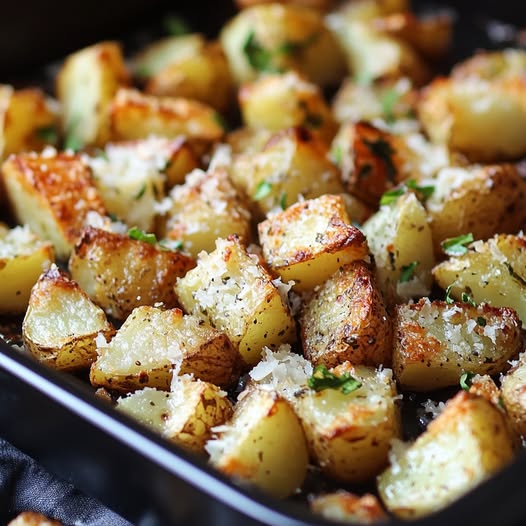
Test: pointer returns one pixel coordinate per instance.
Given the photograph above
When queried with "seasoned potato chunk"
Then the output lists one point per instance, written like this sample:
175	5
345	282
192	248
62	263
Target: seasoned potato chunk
248	140
491	271
154	344
400	240
23	258
464	445
185	415
315	4
61	323
436	342
277	37
205	208
120	273
53	193
137	116
481	200
235	294
342	506
250	449
513	392
30	518
276	102
292	166
346	320
310	240
85	85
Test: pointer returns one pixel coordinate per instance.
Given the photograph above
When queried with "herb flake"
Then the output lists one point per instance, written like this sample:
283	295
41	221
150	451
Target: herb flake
48	134
263	190
258	57
481	321
466	298
388	101
456	246
322	379
449	300
141	235
408	271
466	381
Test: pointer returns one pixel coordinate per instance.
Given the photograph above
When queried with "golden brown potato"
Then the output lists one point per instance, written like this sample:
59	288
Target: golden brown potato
248	140
482	200
120	273
23	258
346	320
463	446
53	193
85	86
249	448
153	345
277	37
205	208
31	518
491	271
280	101
231	290
342	506
61	323
436	342
322	5
310	240
513	392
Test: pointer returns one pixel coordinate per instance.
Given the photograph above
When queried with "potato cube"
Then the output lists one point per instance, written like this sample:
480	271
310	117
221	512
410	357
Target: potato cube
23	258
436	342
205	208
346	320
86	84
342	506
31	518
120	273
309	241
53	193
251	449
235	294
61	324
513	393
463	446
154	344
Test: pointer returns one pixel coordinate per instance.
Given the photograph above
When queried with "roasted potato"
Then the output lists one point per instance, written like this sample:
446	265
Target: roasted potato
436	342
23	258
463	446
31	518
342	506
53	193
230	290
513	395
346	320
249	449
154	344
310	240
62	324
120	273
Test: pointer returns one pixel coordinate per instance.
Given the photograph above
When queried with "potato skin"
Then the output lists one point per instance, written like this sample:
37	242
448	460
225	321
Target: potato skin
346	320
513	392
119	273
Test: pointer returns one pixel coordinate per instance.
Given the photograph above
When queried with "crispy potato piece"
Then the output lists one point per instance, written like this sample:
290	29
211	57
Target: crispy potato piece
483	385
31	518
135	115
85	86
120	273
248	140
277	37
234	293
205	208
292	166
492	271
322	5
346	320
483	200
513	393
464	445
249	448
342	506
400	240
310	240
185	415
61	323
436	342
53	193
280	101
154	344
23	258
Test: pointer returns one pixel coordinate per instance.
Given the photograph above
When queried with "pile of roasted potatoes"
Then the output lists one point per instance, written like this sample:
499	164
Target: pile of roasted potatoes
260	245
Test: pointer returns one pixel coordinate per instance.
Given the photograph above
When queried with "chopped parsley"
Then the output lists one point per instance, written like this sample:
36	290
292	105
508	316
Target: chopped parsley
221	121
456	246
263	190
141	235
48	134
283	201
449	299
408	271
466	298
72	141
140	193
392	195
466	381
383	150
388	100
337	154
176	26
322	379
171	244
481	321
423	192
258	57
293	47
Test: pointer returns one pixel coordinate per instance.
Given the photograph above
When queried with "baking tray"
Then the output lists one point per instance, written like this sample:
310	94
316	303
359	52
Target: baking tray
56	419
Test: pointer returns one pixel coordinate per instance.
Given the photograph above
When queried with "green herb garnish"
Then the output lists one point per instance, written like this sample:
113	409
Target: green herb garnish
388	100
258	57
171	244
322	379
283	201
424	192
456	246
466	298
449	299
263	190
141	235
337	155
291	47
392	195
481	321
176	25
408	271
466	380
48	134
140	193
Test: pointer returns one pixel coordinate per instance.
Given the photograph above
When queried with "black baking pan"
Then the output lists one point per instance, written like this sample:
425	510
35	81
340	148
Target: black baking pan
56	418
